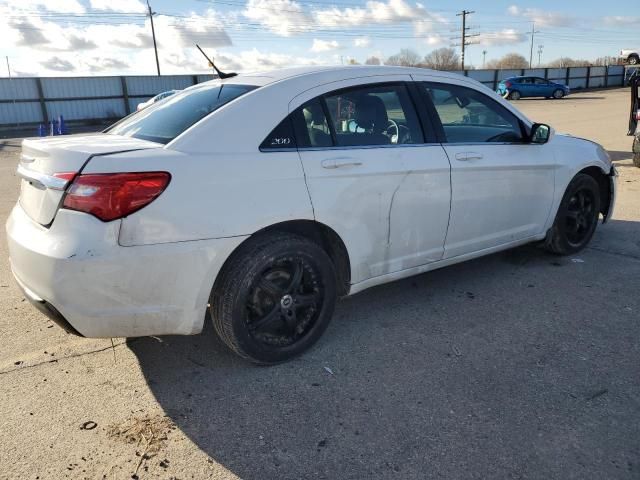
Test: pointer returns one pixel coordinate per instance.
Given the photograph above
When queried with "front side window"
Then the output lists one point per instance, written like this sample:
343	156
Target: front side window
164	121
373	115
541	81
469	116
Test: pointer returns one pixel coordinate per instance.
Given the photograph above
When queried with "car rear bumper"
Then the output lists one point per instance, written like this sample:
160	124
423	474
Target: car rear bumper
78	275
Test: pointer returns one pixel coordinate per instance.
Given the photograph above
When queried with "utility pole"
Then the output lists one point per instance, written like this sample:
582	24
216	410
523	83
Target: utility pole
533	32
153	33
465	36
484	57
8	67
540	47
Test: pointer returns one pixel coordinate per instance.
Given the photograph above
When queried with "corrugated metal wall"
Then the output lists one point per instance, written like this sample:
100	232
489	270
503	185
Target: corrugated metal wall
39	100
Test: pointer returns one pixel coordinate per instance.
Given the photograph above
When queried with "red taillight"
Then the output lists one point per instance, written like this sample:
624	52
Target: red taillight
109	196
507	84
638	115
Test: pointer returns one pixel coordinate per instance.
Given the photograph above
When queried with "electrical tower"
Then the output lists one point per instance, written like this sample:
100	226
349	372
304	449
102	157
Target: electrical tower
464	37
484	57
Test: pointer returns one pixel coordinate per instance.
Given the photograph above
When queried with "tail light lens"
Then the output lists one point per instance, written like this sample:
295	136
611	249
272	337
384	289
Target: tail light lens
109	196
507	84
638	115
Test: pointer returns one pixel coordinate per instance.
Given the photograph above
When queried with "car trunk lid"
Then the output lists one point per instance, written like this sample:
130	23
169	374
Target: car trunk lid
47	165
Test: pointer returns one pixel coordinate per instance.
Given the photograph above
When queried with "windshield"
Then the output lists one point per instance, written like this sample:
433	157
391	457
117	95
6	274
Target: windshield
166	119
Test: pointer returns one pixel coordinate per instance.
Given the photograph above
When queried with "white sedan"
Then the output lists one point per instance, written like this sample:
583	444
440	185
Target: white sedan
264	197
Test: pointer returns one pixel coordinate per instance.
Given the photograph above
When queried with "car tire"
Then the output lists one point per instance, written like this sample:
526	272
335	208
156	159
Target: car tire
633	59
636	159
558	94
577	217
274	298
515	95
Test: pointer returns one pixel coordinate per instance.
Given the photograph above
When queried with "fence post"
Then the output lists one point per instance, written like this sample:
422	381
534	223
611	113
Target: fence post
546	73
566	78
125	95
588	76
522	72
495	80
43	105
606	76
194	79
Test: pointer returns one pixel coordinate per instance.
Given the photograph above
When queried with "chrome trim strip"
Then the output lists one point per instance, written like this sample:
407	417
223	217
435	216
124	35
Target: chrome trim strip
41	180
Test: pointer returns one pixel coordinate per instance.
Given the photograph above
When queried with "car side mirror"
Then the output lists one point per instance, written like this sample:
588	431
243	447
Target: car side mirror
540	133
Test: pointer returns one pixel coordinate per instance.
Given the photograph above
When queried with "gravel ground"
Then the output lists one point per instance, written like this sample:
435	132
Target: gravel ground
517	365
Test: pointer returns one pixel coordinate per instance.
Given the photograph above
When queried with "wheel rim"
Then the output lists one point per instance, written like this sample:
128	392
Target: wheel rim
580	216
558	94
284	303
515	95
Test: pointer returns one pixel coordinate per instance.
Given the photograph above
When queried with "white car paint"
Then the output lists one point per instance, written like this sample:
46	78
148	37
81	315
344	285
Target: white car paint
151	272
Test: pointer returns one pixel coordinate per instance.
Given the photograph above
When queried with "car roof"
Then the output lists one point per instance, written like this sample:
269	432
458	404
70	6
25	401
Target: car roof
340	72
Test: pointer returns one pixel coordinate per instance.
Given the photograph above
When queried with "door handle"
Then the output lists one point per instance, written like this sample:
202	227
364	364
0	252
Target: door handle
340	162
466	156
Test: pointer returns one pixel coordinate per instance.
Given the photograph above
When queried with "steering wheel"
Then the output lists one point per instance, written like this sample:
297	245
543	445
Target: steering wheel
394	137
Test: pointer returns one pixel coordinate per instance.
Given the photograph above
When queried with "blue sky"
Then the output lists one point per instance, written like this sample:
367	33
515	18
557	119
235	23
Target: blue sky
110	37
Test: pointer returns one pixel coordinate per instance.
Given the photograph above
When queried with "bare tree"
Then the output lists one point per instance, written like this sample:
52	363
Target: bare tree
510	60
405	58
372	61
564	62
442	59
353	61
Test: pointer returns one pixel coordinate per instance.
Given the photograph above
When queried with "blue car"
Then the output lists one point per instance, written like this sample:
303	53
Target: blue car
515	88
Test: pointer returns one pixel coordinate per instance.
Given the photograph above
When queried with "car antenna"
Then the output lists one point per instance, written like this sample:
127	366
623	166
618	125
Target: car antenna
222	75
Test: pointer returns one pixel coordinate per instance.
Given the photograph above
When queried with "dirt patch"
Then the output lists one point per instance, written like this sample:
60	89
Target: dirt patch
149	434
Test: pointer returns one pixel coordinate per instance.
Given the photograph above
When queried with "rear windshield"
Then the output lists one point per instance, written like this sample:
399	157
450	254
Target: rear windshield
166	119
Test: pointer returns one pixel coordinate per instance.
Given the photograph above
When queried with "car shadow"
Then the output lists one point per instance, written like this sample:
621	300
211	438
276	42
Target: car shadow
570	97
617	156
465	372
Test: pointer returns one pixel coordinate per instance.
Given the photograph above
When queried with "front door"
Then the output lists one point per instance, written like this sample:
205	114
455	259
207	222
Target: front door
502	187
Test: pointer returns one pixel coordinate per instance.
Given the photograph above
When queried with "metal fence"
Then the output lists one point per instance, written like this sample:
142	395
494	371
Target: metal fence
32	101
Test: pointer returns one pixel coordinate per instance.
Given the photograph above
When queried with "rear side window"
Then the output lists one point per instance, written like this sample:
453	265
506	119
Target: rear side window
281	138
469	116
164	121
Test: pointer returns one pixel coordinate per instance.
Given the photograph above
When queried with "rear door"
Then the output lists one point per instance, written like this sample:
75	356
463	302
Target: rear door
372	176
502	187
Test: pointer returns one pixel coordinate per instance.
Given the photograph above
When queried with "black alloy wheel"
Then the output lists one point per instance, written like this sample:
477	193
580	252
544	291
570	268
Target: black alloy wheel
274	298
577	217
580	216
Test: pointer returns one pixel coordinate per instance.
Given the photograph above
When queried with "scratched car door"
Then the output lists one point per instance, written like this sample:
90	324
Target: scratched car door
373	177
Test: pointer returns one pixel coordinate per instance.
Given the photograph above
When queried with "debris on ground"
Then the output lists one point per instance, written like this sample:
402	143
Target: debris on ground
149	432
577	260
90	425
329	370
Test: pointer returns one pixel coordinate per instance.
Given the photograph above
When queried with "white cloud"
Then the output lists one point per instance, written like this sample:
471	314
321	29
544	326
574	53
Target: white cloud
542	18
128	6
507	36
59	6
392	11
282	17
362	42
434	40
619	21
324	45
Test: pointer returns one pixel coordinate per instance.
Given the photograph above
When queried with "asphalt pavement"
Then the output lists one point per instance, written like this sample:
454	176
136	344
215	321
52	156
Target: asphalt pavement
520	365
